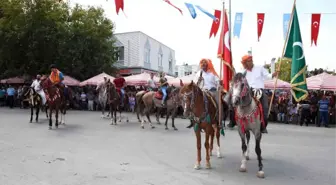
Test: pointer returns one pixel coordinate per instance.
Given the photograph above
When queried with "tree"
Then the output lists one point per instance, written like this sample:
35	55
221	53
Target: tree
285	70
35	34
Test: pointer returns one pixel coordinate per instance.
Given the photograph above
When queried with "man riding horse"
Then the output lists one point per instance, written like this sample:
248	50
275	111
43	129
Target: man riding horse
38	89
207	79
256	76
163	87
151	83
56	77
120	84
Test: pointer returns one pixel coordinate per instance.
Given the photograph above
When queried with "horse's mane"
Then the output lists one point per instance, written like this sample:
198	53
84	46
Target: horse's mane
238	77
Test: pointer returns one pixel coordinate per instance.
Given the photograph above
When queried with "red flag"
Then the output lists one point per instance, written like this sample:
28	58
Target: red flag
315	27
260	22
119	5
167	1
224	53
215	23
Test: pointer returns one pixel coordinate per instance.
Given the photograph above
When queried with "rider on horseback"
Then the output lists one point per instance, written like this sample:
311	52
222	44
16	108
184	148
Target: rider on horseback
120	83
208	76
56	77
38	89
164	87
151	83
255	76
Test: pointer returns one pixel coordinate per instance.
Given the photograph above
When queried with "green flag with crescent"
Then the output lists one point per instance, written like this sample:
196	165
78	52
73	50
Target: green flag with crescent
294	50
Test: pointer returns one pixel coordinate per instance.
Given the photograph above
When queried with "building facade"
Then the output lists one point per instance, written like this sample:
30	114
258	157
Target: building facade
185	69
140	53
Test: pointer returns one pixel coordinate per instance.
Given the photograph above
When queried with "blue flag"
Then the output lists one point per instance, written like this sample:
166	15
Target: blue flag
206	12
286	19
191	10
237	24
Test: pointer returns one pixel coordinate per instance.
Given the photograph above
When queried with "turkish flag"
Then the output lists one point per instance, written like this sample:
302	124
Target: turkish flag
215	23
224	53
260	22
119	5
315	27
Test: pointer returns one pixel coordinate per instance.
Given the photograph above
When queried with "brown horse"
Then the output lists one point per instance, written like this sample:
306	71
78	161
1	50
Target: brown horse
114	102
56	101
205	118
146	102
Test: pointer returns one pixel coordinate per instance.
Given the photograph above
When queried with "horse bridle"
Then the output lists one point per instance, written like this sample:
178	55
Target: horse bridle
193	97
244	93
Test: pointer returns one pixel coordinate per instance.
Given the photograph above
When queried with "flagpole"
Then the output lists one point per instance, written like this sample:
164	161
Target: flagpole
221	73
283	53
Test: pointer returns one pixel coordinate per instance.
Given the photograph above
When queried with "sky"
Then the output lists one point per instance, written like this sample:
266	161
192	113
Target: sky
190	37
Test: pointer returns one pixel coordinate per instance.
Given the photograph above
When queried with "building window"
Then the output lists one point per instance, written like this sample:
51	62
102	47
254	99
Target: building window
147	55
121	53
160	60
170	64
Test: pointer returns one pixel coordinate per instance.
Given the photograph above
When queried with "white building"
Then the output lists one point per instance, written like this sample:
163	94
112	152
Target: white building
139	53
185	69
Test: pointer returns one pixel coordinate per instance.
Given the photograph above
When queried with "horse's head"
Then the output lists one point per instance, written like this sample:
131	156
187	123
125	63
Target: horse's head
46	82
188	93
240	90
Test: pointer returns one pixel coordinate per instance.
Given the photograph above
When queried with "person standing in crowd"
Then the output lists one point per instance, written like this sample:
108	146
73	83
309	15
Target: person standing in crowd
10	96
83	101
323	109
2	96
131	100
90	98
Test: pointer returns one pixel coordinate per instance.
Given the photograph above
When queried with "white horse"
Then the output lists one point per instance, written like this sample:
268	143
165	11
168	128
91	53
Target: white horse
102	97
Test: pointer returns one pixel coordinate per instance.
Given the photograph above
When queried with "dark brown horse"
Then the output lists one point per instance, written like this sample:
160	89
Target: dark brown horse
56	100
148	101
204	118
114	102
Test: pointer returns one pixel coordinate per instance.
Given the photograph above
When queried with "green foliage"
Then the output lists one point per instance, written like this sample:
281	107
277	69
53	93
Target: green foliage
35	34
285	70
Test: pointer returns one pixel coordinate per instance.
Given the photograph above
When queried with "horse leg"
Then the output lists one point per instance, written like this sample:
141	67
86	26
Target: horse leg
260	173
31	113
208	131
199	147
111	112
147	111
64	113
217	132
211	140
247	153
167	117
46	110
50	118
244	148
173	120
56	116
119	114
103	110
37	113
158	112
115	114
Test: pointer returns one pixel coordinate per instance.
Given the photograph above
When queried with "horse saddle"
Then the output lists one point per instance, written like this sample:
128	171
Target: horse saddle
210	96
257	94
159	95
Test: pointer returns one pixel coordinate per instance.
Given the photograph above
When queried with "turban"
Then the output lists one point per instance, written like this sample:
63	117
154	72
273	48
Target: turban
245	58
210	66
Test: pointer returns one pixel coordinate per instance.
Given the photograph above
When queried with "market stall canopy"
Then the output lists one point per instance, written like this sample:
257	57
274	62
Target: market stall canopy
14	80
69	81
96	79
185	80
269	84
140	79
323	81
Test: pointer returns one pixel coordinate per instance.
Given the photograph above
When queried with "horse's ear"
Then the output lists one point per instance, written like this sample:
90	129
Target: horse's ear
181	83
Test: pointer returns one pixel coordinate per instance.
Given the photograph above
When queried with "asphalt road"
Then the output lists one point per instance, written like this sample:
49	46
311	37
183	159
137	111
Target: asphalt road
89	151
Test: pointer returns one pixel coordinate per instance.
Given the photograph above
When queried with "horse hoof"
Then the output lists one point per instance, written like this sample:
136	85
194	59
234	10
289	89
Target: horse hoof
242	169
153	127
175	129
127	121
30	121
166	128
208	166
50	128
120	120
261	174
247	158
219	155
142	127
210	153
158	123
197	167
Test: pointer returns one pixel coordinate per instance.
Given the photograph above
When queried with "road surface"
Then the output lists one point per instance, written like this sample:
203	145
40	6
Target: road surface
89	151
